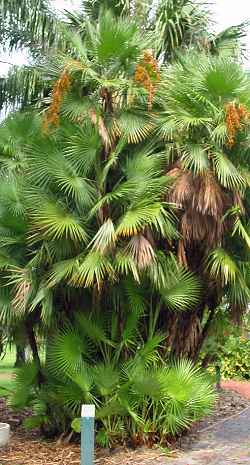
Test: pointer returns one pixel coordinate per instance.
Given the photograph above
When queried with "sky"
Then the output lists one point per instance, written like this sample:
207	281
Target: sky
226	13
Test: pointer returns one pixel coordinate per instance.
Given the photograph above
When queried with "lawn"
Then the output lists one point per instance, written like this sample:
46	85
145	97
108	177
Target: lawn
6	371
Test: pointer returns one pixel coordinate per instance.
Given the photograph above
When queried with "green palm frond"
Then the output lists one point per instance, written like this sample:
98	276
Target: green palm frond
137	218
241	230
147	383
104	238
44	297
126	44
222	266
145	163
135	296
81	149
147	355
24	381
62	271
179	23
33	21
72	396
133	126
182	291
93	330
53	221
230	42
106	378
84	380
179	288
239	293
195	158
20	87
227	173
93	269
125	265
183	385
66	352
76	110
80	189
6	310
143	214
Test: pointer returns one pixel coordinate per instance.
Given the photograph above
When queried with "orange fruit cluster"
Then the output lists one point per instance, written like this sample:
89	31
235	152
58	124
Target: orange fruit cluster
236	115
147	75
61	86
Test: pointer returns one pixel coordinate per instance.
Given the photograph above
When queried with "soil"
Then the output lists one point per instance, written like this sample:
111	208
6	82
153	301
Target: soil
27	448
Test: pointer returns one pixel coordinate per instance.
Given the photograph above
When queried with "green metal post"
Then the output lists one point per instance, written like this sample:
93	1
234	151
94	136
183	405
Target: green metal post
87	434
218	377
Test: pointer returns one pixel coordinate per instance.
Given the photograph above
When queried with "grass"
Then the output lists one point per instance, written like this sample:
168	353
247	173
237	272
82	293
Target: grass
6	370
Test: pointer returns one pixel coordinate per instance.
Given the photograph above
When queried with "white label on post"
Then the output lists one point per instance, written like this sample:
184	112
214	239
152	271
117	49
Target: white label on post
88	410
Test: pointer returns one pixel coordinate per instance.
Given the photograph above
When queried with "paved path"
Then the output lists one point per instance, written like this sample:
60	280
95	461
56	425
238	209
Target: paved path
228	443
242	387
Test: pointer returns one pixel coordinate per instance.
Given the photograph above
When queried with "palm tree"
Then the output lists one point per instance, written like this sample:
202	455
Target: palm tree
204	121
99	114
89	190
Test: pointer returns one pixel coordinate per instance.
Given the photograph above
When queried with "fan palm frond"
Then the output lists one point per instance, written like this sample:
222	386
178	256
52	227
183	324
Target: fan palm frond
104	238
93	269
227	173
66	352
53	221
222	266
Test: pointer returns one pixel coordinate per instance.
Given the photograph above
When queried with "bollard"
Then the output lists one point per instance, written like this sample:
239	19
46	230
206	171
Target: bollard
87	434
218	377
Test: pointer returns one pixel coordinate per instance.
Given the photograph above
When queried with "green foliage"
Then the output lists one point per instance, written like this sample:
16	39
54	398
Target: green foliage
235	358
227	346
136	393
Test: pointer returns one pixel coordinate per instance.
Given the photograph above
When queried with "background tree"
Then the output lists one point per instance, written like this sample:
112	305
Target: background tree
34	26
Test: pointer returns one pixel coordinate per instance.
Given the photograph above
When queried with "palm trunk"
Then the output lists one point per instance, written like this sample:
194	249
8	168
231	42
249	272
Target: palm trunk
34	350
20	355
189	334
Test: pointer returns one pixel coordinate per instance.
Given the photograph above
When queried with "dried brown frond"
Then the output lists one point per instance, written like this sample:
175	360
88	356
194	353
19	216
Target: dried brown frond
103	132
198	227
208	196
182	190
181	253
141	250
19	301
175	172
237	200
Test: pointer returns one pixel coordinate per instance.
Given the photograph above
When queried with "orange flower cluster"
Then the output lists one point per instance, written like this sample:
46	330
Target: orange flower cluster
61	86
147	75
236	115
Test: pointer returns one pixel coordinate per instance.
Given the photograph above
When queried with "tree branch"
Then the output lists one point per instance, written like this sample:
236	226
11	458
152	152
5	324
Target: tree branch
7	62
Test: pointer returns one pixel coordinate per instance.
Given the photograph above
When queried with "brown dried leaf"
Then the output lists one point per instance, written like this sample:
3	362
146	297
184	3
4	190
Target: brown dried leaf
141	250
